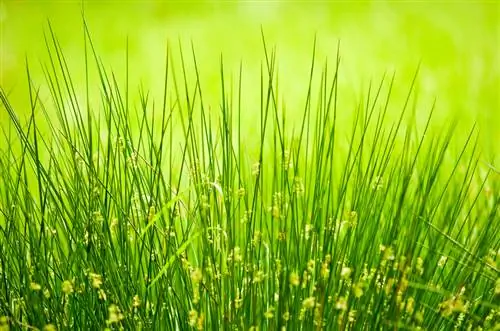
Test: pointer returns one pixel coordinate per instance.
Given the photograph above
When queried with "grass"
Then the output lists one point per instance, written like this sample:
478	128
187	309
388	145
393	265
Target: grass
174	214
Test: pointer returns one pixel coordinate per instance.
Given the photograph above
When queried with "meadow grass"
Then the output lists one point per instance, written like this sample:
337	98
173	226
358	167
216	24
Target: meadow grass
174	214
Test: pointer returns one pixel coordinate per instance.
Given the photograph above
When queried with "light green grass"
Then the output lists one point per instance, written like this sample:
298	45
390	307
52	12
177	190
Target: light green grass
173	213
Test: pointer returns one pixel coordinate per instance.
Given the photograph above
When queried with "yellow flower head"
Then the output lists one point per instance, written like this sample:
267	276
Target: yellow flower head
67	287
96	280
136	302
341	304
269	313
114	314
345	273
294	279
49	327
196	275
192	317
309	303
35	287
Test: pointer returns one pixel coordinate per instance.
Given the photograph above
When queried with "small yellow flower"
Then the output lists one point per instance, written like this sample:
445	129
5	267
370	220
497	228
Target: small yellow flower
442	261
238	301
102	295
136	302
420	265
353	218
389	284
310	265
196	275
35	287
96	280
453	305
309	303
114	314
281	236
305	278
410	305
389	254
257	236
196	293
4	323
352	316
419	316
114	223
275	211
358	289
308	228
294	279
67	287
256	169
403	284
341	304
258	276
237	255
269	313
200	322
49	327
345	273
286	161
192	317
298	186
325	269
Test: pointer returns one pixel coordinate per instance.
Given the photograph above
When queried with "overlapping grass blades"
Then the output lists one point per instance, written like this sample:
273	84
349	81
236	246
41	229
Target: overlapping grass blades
171	216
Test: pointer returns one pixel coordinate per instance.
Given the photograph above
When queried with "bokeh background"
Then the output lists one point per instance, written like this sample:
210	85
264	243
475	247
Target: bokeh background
456	42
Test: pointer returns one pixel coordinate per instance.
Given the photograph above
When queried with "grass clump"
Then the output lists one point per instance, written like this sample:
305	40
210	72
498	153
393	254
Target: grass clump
168	216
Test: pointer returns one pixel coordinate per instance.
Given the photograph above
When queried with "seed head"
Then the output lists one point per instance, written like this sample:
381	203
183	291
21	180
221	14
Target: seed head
114	314
256	169
96	280
309	303
49	327
196	275
67	287
269	313
442	261
136	302
341	304
294	279
35	287
345	273
192	317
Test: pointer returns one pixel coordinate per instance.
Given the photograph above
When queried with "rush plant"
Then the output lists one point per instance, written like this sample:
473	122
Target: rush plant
175	214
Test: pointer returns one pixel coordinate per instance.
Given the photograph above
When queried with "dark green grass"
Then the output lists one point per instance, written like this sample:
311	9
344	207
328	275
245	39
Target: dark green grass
173	214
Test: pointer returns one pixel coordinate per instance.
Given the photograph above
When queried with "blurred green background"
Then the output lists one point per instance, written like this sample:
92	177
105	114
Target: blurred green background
457	43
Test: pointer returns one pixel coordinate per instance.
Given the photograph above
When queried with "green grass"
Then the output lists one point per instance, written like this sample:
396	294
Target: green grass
176	214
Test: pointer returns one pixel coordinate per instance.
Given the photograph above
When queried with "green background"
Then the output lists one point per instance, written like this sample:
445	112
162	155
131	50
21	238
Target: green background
457	43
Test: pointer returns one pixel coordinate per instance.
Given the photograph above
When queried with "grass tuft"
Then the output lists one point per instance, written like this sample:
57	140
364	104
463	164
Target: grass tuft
176	214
